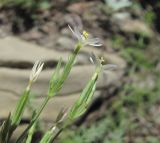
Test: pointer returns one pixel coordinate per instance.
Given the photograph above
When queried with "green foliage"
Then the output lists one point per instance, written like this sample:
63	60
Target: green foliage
117	42
54	82
149	17
64	118
85	98
17	115
138	56
47	138
31	132
133	50
58	77
5	131
96	133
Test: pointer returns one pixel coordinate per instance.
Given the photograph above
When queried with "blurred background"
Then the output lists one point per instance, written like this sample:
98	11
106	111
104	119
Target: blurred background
126	106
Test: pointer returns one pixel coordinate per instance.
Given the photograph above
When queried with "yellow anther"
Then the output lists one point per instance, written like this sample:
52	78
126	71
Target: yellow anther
102	60
85	34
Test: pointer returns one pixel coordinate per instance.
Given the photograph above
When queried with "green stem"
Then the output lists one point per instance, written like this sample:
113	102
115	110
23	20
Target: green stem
33	120
41	108
31	132
68	122
57	134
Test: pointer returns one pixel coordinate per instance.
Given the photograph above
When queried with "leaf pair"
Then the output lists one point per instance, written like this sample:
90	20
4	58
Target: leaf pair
54	85
17	115
85	98
58	78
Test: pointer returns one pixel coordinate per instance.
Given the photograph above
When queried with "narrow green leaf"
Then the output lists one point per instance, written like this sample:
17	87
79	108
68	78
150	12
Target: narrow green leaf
30	133
65	72
85	98
17	115
5	129
68	67
47	137
55	79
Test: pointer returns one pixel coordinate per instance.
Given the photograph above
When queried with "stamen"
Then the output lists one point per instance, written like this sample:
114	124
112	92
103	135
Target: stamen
102	60
85	34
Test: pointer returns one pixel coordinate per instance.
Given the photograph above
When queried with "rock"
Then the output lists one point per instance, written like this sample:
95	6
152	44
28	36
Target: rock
121	15
65	43
32	35
135	26
80	7
65	31
15	50
83	59
49	41
118	4
2	32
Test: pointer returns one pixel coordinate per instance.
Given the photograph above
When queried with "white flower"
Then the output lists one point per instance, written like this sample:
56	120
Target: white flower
99	62
37	68
84	37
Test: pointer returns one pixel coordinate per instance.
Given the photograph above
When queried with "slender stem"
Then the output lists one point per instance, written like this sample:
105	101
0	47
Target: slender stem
31	132
57	134
41	108
67	123
33	120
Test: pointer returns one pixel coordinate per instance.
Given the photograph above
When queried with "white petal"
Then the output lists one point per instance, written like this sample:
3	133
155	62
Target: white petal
74	21
37	68
93	58
79	35
94	42
109	67
72	30
75	32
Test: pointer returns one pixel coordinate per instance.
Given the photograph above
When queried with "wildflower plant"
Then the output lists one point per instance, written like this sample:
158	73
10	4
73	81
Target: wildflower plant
65	116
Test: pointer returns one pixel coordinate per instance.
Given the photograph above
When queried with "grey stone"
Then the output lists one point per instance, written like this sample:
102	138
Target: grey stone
65	43
17	50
